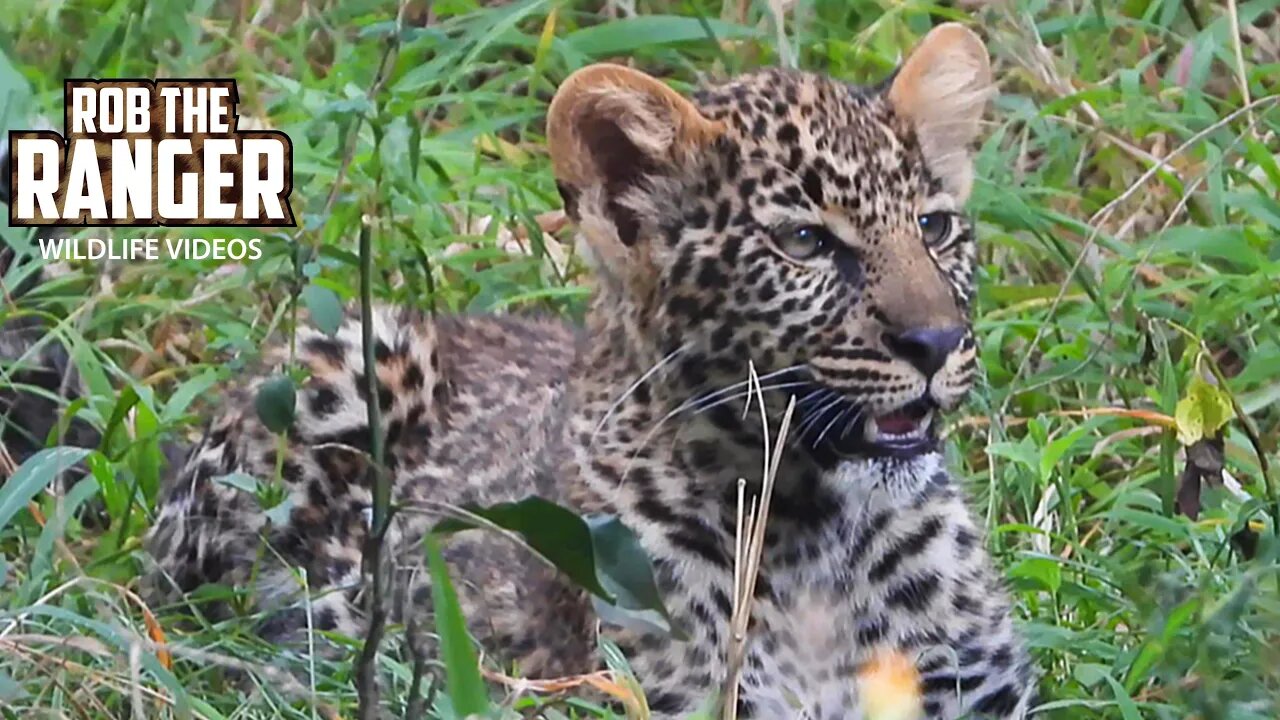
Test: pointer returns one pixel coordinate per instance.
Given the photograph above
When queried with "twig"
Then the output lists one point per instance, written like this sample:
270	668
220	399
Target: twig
607	682
416	706
1149	417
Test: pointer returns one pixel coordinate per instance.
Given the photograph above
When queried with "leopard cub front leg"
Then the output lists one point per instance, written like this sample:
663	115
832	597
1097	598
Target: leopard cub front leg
982	670
980	667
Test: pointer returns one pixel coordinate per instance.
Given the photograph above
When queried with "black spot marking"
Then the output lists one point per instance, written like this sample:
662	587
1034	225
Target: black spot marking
1001	702
324	400
914	594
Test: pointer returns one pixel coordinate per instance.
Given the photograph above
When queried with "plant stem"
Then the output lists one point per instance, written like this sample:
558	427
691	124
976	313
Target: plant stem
366	668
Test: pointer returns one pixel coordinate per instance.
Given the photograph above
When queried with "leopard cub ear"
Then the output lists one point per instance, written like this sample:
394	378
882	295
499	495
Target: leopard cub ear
942	90
614	135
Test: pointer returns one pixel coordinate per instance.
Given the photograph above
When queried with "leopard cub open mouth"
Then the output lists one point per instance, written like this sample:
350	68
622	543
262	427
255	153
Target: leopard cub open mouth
905	432
831	422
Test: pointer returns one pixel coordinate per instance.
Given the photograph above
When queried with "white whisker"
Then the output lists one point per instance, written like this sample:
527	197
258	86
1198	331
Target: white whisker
634	386
699	403
852	422
767	376
831	423
747	394
812	421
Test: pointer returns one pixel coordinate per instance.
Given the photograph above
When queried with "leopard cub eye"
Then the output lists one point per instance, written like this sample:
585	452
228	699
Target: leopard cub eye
936	227
804	242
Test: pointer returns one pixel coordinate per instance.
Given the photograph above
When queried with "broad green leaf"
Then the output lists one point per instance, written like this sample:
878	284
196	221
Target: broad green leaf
1022	452
1262	208
33	476
554	532
1042	569
624	569
1264	159
463	681
600	554
276	403
1202	413
146	459
1150	521
325	307
114	494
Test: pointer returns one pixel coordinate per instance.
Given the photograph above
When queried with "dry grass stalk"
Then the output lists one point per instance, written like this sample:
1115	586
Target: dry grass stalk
749	547
606	682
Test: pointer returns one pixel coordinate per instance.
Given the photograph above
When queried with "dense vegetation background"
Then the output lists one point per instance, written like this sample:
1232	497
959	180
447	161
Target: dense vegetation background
1128	211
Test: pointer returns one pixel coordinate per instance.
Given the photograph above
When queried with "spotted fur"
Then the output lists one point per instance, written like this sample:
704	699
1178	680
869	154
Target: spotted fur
690	211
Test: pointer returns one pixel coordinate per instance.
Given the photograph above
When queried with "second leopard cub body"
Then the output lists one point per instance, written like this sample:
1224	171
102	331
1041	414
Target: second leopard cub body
786	219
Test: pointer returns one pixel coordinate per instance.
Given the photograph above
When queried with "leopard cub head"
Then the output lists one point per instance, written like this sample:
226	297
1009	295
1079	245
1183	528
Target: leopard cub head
812	227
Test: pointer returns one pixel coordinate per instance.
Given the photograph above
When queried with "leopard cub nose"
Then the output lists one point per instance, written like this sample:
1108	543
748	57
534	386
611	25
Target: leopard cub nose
926	348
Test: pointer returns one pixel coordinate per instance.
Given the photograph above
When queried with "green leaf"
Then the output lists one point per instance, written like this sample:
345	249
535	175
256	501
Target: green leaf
325	307
625	571
1226	242
1054	451
276	403
1022	452
10	691
1045	570
1262	157
463	681
600	554
1202	412
554	532
1128	708
187	392
144	456
622	36
15	97
41	561
1089	674
279	513
239	481
33	476
124	403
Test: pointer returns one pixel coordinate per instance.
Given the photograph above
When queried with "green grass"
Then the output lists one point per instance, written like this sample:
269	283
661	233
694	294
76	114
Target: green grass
1129	221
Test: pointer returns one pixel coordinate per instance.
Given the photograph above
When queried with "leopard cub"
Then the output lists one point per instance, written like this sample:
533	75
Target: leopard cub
786	220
